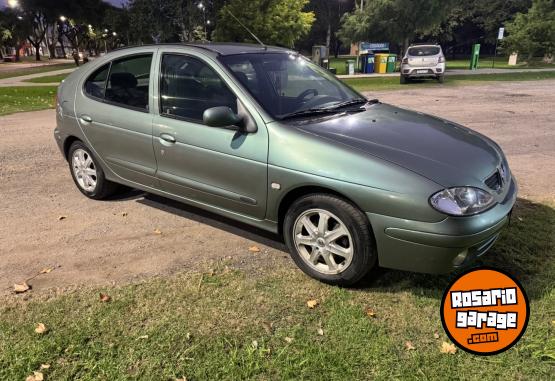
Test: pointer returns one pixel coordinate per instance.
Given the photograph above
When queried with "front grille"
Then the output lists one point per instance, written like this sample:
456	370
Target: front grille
494	181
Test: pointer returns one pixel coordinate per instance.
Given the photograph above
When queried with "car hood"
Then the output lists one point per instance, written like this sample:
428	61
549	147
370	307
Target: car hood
442	151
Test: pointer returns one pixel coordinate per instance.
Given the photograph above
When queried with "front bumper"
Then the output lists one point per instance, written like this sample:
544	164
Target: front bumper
435	247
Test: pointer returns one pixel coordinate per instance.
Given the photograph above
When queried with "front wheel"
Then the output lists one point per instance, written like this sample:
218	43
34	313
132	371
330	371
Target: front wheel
440	79
329	239
403	79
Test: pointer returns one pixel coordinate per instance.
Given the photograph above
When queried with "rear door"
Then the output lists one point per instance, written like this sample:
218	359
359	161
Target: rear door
113	110
221	167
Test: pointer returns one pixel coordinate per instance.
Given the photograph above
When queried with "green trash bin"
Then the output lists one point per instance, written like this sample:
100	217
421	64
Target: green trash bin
350	67
391	60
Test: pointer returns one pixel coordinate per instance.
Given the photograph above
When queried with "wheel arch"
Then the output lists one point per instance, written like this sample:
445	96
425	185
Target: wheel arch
294	194
68	142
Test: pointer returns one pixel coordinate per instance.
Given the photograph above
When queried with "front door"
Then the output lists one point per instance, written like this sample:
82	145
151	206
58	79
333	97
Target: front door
114	114
221	167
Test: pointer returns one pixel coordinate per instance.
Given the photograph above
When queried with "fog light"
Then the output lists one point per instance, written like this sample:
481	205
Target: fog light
459	259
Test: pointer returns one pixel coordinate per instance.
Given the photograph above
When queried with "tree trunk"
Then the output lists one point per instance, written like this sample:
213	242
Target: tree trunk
17	49
37	52
328	36
61	40
405	45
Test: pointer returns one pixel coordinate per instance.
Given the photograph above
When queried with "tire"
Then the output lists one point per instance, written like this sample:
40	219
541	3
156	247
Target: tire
403	79
440	79
312	252
82	164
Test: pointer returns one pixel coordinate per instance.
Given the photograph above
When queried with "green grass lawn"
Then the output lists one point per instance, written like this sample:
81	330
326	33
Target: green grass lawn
500	63
48	78
234	323
392	83
32	98
484	63
16	72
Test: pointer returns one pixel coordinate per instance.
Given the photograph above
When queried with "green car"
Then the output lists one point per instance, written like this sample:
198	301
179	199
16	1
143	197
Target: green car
263	136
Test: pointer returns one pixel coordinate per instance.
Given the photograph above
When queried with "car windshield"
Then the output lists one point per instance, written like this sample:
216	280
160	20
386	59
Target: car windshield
287	84
424	51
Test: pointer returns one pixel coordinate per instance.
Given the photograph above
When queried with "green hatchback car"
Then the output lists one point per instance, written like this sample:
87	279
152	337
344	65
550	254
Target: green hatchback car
263	136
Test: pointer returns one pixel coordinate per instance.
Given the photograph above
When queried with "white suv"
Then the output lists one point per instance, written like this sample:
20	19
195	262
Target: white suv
423	61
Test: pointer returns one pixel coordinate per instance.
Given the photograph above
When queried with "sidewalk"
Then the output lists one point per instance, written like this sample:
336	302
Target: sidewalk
19	81
451	72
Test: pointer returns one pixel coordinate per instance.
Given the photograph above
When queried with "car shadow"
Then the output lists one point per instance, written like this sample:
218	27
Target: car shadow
249	232
525	249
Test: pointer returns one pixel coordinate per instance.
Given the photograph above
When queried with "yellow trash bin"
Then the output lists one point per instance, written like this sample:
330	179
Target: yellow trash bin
380	63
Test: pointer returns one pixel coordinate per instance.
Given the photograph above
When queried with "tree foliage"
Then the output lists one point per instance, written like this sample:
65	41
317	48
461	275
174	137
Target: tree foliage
398	21
281	22
533	33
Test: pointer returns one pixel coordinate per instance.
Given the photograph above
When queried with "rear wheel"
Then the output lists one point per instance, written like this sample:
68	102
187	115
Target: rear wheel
87	174
329	239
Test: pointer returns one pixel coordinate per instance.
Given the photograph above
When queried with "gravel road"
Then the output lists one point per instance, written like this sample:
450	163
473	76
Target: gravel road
104	242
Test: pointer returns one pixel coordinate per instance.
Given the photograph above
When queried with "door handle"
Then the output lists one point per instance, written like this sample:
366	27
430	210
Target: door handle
167	137
86	118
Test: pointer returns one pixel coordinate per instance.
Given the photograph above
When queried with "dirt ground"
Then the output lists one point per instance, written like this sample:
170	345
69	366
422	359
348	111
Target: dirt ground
103	242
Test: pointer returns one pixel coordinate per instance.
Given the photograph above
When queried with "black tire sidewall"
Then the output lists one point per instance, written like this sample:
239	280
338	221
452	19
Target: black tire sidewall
364	257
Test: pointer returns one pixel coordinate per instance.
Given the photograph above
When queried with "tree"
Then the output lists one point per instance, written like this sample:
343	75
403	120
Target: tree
533	33
280	22
399	21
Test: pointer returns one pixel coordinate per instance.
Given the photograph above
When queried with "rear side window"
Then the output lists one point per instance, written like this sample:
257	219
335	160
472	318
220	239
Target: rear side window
189	86
420	51
129	80
96	83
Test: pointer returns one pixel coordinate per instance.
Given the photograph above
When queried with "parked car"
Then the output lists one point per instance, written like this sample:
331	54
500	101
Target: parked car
423	61
265	137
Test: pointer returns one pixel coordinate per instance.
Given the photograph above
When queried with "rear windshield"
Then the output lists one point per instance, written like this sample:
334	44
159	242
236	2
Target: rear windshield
424	51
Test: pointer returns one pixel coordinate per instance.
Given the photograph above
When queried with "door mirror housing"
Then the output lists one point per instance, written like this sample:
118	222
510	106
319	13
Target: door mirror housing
221	116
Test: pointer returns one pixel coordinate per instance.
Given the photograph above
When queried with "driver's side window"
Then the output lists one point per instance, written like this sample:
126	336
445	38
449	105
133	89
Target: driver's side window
189	86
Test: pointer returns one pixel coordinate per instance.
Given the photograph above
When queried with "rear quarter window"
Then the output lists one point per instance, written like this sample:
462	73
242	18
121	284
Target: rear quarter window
95	85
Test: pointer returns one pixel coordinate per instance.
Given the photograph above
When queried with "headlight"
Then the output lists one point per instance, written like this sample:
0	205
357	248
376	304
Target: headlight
462	201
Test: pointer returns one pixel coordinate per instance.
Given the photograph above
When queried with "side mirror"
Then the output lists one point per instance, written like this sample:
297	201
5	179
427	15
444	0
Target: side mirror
221	116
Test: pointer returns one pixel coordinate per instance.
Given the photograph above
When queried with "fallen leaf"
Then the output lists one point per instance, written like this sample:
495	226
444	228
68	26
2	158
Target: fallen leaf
124	214
267	327
41	328
320	332
22	287
254	344
188	336
61	218
44	366
553	322
143	337
312	303
448	348
181	379
409	346
370	313
105	298
157	231
36	376
254	249
289	340
436	335
46	270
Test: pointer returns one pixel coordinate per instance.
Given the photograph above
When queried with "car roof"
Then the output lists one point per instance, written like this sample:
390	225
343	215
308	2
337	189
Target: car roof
223	48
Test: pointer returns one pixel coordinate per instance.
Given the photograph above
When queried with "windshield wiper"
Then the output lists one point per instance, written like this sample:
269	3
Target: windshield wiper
309	112
352	102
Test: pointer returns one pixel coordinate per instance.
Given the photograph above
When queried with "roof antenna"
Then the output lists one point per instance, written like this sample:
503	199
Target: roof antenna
247	29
